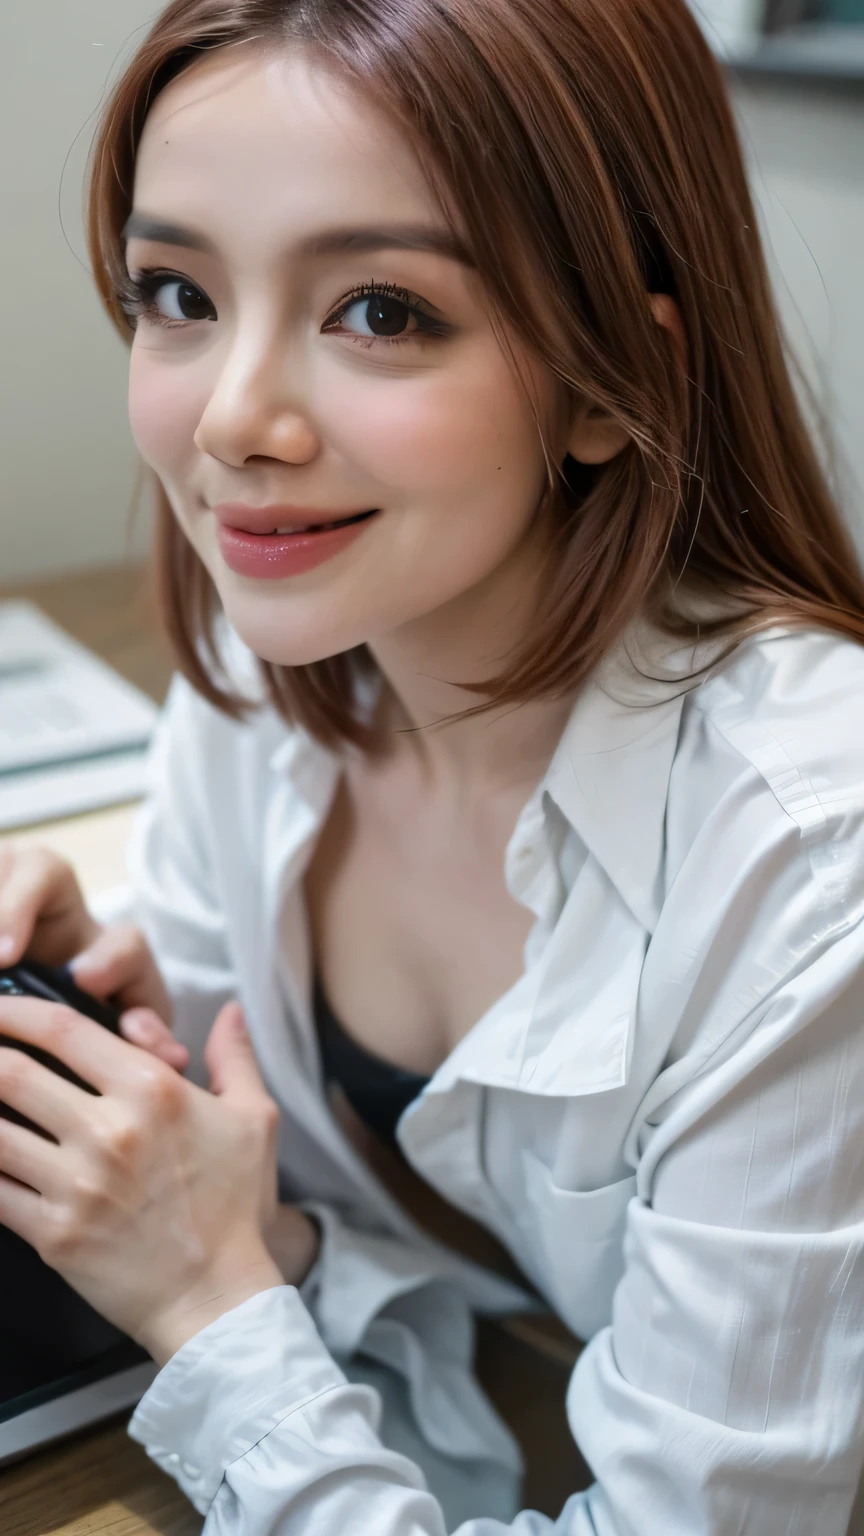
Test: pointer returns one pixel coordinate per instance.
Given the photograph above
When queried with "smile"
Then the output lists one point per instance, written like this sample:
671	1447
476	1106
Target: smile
342	522
289	551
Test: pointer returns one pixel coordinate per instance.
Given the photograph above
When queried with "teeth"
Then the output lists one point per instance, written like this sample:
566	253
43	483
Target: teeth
321	527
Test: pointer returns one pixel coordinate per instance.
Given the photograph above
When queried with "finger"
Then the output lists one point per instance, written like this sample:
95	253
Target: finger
92	1052
119	964
28	1157
40	1094
230	1058
20	1209
40	891
144	1028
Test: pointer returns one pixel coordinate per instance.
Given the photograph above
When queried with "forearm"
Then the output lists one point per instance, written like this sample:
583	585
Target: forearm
264	1433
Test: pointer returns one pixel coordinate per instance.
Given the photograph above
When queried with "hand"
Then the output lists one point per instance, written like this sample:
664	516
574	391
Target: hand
43	915
152	1199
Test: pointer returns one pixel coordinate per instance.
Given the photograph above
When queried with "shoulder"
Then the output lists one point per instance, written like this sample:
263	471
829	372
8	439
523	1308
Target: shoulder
762	910
766	794
790	705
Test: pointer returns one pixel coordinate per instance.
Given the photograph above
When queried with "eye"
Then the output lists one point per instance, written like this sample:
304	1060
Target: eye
178	300
377	317
379	312
163	298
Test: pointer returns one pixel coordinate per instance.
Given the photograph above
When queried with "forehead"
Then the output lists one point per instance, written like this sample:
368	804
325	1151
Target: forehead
270	145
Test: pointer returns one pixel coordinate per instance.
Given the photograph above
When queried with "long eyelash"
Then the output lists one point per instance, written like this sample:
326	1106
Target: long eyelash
430	325
136	296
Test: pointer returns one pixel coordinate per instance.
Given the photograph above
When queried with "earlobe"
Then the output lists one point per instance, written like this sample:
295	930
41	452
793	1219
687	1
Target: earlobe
666	313
595	436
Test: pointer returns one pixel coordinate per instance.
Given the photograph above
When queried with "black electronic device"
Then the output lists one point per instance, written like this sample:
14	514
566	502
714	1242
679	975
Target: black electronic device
61	1365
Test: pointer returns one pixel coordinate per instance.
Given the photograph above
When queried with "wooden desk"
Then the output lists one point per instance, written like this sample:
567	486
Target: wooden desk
100	1483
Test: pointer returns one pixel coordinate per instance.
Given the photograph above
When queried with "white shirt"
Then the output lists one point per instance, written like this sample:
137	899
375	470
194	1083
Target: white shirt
661	1120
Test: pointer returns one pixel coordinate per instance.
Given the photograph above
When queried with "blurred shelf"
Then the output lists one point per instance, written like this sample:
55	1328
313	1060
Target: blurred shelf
817	53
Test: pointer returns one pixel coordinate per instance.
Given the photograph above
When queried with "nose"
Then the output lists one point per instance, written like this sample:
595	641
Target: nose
255	410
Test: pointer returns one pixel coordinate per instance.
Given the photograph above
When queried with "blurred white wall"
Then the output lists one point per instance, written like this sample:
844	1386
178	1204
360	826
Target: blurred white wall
732	25
806	151
67	463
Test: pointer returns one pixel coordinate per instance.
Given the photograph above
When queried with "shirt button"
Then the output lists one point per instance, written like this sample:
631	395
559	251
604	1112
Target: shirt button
174	1459
190	1471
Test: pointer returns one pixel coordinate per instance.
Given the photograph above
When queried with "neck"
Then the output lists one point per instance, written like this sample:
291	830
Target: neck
427	665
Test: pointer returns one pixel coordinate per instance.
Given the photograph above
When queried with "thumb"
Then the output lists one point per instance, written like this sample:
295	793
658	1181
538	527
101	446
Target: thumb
230	1058
145	1028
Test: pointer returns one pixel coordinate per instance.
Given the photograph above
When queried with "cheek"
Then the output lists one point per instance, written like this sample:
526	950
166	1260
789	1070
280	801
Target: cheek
448	433
163	410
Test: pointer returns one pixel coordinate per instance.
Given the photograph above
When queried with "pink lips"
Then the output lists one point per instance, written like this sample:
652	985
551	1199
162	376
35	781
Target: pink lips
249	546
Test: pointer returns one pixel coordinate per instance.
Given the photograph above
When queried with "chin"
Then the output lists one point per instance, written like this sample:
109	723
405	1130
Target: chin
273	638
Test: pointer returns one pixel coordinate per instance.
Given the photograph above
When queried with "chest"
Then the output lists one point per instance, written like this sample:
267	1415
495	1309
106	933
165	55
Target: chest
398	902
414	932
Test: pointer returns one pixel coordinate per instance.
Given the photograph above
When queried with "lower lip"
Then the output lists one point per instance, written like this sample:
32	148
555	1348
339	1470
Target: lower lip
270	556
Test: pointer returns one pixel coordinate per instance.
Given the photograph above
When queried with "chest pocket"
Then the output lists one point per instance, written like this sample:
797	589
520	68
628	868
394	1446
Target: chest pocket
577	1237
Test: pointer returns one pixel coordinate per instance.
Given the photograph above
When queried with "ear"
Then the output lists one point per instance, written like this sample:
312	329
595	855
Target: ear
595	436
666	313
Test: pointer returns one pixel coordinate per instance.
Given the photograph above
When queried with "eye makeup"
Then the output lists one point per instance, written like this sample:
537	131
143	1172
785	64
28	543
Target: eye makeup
386	313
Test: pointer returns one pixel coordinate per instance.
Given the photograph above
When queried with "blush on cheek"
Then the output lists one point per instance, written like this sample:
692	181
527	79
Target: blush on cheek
162	416
422	435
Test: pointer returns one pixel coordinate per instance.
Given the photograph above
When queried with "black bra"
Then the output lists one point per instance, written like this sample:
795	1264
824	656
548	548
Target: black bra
375	1089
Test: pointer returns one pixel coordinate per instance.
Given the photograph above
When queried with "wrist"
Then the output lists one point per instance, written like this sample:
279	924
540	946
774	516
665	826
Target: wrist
294	1240
216	1293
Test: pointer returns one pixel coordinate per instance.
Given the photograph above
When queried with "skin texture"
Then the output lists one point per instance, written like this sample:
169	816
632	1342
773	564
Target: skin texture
157	1200
262	405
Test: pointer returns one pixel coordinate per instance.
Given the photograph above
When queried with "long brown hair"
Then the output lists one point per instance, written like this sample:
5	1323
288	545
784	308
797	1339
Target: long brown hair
588	153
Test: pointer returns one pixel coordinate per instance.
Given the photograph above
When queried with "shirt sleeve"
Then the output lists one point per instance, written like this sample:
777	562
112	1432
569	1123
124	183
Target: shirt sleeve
267	1437
728	1393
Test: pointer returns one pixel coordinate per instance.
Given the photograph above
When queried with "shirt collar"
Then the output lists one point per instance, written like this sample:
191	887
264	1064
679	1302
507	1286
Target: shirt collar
609	775
312	769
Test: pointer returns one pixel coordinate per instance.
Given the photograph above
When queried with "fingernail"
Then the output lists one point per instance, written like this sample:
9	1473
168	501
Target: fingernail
240	1022
7	948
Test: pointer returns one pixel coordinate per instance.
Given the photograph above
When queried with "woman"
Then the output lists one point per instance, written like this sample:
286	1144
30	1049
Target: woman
538	868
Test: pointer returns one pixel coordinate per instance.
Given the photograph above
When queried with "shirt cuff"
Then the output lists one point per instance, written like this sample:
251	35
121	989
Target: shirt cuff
229	1386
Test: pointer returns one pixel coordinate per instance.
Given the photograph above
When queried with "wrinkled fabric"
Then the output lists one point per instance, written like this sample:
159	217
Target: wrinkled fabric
661	1120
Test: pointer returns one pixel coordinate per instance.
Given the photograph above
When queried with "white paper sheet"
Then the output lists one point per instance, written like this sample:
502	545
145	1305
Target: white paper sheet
73	733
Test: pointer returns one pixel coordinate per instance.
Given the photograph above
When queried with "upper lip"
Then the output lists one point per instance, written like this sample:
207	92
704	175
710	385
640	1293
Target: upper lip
235	514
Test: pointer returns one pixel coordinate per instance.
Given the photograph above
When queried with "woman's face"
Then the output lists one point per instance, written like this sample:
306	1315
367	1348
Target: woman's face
311	347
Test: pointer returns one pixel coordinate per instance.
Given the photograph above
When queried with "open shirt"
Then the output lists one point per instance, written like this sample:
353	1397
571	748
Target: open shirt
661	1120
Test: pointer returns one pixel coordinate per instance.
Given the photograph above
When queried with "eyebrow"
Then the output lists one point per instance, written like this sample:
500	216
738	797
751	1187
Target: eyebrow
335	242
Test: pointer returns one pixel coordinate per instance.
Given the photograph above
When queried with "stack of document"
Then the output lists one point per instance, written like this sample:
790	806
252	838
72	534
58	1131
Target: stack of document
73	733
